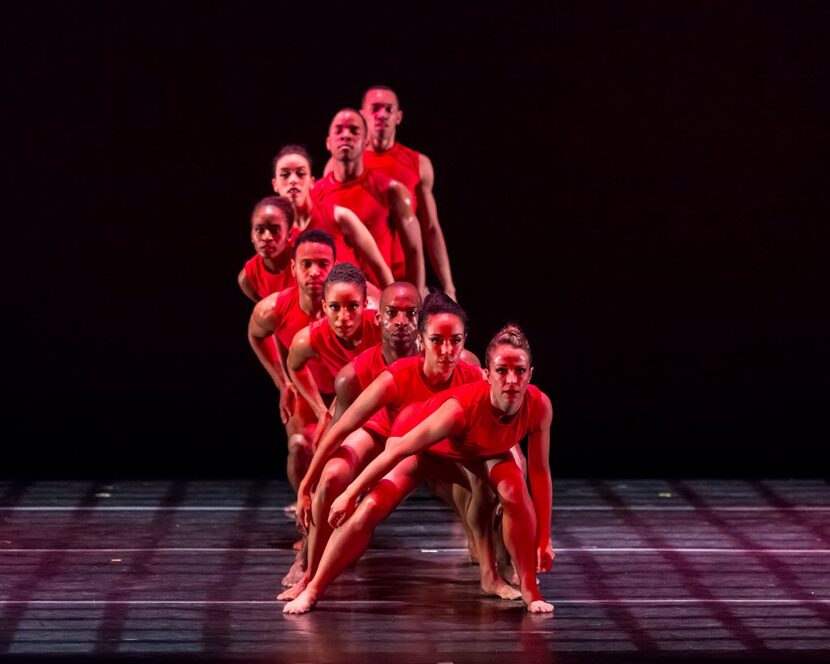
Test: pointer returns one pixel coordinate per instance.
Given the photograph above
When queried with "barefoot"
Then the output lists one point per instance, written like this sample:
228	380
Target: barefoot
294	591
539	606
499	588
297	545
295	574
303	604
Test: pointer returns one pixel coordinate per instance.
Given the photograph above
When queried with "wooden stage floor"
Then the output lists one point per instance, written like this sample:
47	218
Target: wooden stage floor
645	570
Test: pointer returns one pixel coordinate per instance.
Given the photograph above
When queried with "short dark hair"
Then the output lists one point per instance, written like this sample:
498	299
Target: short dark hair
281	204
357	113
290	149
314	235
345	273
510	335
380	86
438	302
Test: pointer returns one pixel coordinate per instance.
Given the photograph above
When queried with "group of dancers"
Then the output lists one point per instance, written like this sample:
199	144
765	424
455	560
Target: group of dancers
377	391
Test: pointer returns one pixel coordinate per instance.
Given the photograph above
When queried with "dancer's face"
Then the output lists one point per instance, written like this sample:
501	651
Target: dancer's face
343	304
312	264
509	375
292	178
443	341
269	231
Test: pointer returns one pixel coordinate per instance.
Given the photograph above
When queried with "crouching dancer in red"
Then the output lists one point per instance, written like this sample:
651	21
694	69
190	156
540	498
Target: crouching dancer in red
476	424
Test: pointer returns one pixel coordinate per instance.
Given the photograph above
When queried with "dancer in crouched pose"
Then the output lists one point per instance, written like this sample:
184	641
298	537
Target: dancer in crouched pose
476	424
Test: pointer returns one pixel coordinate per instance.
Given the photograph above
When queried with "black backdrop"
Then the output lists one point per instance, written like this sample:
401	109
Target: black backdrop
640	185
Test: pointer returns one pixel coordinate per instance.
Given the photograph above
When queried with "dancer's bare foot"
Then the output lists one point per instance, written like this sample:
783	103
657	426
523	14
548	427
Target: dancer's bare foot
499	588
295	574
297	545
294	591
303	604
539	606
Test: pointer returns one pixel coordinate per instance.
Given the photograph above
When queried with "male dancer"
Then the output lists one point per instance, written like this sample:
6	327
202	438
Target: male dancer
292	181
270	270
384	205
382	112
274	322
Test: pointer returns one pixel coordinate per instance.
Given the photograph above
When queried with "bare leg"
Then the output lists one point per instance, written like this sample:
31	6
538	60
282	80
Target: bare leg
298	568
299	456
356	451
479	516
519	527
349	541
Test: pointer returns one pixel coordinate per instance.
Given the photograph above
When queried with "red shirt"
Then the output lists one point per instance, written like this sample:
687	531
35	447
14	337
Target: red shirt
408	374
399	163
290	320
322	218
368	197
369	365
332	354
483	435
264	281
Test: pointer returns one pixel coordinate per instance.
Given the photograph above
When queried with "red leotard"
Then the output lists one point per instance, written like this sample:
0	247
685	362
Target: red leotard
483	435
404	165
265	282
408	373
369	365
322	218
331	352
290	320
368	197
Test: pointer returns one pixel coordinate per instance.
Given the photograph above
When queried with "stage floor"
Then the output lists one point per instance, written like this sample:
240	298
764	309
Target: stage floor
645	570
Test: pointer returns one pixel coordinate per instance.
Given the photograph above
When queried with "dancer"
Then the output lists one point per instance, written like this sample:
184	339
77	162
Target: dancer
384	205
274	322
477	424
292	181
347	329
269	271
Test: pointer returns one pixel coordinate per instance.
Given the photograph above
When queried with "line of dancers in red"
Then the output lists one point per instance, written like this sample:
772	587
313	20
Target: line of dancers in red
377	392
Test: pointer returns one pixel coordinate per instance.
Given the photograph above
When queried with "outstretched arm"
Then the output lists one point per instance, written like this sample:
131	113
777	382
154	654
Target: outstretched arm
410	234
433	236
359	237
380	392
261	328
442	423
541	486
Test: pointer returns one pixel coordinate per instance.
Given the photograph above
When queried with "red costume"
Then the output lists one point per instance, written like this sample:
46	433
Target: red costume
404	165
331	353
290	320
412	387
369	365
322	218
483	436
368	197
265	282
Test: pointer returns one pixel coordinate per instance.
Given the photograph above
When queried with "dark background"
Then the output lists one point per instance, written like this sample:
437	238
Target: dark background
641	185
